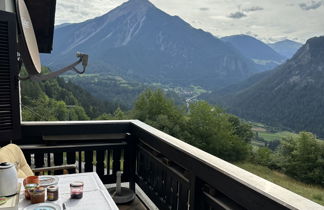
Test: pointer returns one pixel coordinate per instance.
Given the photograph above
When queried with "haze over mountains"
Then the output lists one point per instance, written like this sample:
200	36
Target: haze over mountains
140	42
289	96
261	54
286	48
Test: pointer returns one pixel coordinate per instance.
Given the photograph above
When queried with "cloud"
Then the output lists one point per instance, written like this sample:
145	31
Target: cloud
218	19
277	39
204	9
73	11
250	33
237	15
253	9
312	5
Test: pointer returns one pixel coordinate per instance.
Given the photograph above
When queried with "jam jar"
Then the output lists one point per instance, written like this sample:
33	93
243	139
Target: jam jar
76	190
52	193
37	195
29	188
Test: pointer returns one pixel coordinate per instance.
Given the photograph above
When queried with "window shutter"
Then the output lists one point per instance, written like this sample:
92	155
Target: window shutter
9	88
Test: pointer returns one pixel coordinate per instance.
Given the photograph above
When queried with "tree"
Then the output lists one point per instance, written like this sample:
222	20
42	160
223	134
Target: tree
243	130
78	113
303	158
263	156
211	130
154	108
57	90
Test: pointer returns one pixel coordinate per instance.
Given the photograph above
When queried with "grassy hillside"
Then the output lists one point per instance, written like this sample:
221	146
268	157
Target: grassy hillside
269	133
312	192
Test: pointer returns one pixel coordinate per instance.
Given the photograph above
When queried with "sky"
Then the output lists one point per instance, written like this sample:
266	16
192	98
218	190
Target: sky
267	20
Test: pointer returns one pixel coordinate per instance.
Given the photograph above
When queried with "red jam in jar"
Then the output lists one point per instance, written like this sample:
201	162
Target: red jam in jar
76	190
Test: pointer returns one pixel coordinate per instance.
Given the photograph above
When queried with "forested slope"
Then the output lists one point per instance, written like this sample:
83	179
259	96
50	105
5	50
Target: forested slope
56	99
290	96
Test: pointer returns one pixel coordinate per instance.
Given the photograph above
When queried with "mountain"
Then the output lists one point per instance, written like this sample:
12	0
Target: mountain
286	48
140	42
262	55
223	95
290	96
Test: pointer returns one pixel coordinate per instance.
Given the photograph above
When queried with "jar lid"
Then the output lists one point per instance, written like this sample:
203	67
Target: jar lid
31	186
52	188
76	184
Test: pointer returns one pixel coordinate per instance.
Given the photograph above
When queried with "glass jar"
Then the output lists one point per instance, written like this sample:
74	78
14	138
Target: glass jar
37	195
29	188
76	190
52	193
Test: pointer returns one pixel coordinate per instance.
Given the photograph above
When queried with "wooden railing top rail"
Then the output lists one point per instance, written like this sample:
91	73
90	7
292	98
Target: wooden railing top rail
264	187
84	122
38	132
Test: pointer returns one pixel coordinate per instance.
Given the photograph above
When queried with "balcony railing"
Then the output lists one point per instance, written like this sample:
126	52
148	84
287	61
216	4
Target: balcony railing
173	174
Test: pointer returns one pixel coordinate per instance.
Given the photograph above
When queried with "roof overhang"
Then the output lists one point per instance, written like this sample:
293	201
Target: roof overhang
42	14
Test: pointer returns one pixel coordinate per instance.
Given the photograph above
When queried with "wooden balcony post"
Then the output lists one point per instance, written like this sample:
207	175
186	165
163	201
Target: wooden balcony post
130	160
195	193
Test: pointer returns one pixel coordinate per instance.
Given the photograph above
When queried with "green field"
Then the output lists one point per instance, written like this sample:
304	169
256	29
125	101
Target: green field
314	193
268	136
268	133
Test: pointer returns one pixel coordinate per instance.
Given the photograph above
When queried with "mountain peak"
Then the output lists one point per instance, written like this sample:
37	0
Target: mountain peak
316	42
285	47
130	8
141	1
136	5
286	43
312	51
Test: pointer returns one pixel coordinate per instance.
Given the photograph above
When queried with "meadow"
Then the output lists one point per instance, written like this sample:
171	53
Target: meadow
312	192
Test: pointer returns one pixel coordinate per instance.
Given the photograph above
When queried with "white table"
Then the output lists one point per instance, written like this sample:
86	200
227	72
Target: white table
95	195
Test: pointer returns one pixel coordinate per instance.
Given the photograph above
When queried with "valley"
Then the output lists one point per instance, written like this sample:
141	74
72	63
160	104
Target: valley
122	92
